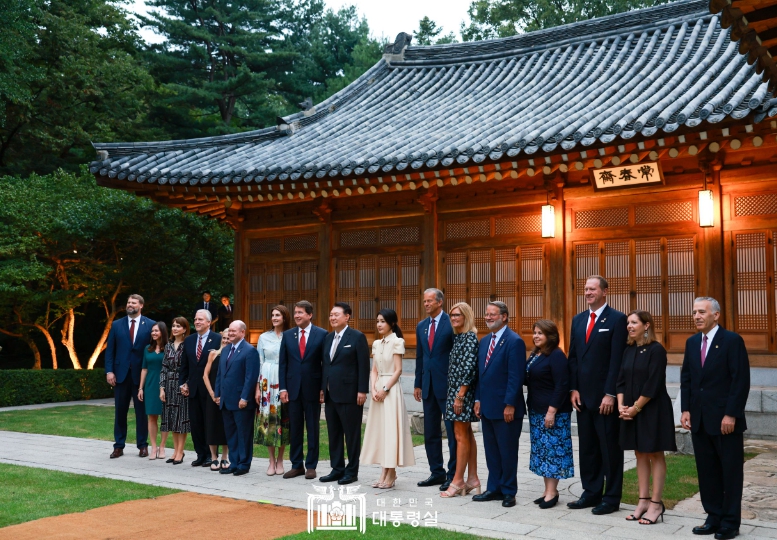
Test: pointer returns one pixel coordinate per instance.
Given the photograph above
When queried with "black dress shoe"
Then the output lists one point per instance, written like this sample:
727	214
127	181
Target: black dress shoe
582	502
488	496
198	462
725	533
549	504
707	528
347	480
240	472
432	481
604	509
445	485
331	477
207	462
227	471
508	501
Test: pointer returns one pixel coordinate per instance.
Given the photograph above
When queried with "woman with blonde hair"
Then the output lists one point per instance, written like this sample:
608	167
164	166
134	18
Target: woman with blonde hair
460	402
175	412
214	421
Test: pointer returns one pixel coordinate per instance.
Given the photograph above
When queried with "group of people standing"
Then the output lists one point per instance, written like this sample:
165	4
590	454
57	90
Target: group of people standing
614	377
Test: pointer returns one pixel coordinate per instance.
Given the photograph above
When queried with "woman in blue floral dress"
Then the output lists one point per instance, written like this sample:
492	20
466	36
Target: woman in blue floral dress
272	421
550	412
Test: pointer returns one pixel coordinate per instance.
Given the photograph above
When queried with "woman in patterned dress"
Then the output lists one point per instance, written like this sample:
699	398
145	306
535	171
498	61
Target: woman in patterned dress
175	412
272	422
214	421
550	412
460	402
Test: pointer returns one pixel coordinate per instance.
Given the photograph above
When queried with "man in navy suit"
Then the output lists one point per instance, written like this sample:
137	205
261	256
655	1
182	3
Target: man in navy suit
499	403
123	360
299	378
209	305
235	389
434	341
596	345
714	385
196	348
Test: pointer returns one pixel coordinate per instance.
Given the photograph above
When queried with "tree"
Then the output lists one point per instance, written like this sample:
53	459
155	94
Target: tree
67	245
428	31
503	18
17	41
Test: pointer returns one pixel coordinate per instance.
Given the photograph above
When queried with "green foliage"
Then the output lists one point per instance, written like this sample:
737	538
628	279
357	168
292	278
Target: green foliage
428	32
27	386
16	45
503	18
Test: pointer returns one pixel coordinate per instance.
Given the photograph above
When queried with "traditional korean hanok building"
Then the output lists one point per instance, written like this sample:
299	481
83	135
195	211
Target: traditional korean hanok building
640	146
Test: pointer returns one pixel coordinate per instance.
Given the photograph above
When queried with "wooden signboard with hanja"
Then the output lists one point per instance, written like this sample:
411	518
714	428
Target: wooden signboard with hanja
626	176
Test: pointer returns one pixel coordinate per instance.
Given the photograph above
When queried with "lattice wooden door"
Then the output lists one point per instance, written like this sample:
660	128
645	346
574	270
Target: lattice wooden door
284	283
755	260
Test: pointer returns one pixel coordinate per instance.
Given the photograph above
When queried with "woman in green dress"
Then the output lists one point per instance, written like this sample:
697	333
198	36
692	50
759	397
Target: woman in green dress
149	386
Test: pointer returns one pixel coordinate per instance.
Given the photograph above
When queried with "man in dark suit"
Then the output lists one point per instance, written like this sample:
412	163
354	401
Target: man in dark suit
596	345
345	383
499	403
714	385
225	314
196	348
209	305
235	389
434	341
299	378
123	360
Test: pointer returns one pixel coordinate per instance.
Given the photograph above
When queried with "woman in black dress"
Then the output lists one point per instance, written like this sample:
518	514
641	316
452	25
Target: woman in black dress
175	411
214	422
645	409
460	402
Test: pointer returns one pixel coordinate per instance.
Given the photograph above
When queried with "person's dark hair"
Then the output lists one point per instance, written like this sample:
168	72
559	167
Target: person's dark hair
390	316
307	306
181	322
345	307
163	337
284	311
137	297
225	296
207	292
645	318
550	331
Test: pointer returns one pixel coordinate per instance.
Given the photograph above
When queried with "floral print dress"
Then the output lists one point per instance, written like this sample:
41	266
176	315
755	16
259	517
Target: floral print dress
272	420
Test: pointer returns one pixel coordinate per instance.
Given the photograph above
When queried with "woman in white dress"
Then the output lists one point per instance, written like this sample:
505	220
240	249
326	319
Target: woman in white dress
387	439
272	421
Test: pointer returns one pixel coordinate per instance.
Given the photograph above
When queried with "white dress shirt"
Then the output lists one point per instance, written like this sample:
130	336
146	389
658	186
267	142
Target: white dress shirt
336	341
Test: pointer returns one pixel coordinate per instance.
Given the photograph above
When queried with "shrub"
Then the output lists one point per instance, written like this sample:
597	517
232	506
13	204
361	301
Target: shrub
30	386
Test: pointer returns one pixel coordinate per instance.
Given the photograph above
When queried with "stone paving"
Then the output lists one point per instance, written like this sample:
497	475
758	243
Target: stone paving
84	456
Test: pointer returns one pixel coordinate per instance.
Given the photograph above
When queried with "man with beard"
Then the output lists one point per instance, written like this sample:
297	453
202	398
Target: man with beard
128	337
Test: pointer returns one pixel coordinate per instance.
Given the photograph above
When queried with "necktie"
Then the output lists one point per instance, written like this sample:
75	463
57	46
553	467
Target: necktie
491	349
230	355
334	347
199	347
229	308
302	344
132	331
703	350
431	335
206	305
590	326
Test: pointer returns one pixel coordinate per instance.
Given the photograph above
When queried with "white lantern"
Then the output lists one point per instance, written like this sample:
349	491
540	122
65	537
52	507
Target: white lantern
706	208
548	221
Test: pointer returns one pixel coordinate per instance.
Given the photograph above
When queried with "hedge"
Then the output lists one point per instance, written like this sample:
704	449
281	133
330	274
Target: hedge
30	386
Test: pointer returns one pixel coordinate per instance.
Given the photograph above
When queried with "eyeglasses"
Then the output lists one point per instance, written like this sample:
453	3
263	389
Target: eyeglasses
455	315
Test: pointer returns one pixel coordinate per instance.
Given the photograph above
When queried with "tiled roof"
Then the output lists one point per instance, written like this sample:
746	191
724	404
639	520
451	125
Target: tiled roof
635	74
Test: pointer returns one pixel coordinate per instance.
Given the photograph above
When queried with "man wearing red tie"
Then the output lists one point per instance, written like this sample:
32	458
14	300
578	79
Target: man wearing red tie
597	341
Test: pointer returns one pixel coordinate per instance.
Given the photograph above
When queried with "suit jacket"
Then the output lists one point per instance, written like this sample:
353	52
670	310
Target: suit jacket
594	366
123	356
501	382
431	366
237	376
193	371
301	377
225	316
213	307
721	387
348	372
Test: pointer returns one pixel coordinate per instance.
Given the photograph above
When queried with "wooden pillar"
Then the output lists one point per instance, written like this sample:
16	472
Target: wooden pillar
326	276
714	270
430	237
240	276
556	268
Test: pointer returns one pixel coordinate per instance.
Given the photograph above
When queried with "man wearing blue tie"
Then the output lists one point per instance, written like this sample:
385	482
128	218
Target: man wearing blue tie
434	341
499	403
235	390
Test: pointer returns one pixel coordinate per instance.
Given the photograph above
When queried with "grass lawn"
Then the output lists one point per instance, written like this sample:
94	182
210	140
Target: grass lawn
30	494
96	422
387	532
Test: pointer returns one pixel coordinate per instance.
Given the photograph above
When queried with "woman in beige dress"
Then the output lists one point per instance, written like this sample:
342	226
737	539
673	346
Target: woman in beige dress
387	439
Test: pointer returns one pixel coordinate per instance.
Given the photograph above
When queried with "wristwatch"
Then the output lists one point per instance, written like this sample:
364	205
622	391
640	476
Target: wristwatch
385	389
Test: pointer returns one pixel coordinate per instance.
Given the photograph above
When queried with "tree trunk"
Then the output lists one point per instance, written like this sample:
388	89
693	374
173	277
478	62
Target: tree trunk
101	344
52	346
35	351
68	329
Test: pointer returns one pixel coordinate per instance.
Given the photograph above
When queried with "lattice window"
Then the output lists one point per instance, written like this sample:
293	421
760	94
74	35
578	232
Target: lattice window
681	282
586	264
755	205
259	246
302	242
532	287
617	263
518	224
606	217
279	283
648	279
664	213
751	282
400	235
359	238
468	229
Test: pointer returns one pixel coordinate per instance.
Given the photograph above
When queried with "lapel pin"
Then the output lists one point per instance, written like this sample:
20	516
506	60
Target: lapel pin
716	346
604	319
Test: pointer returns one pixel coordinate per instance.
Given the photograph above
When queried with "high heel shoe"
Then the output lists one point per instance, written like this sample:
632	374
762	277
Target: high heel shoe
153	455
549	504
646	521
457	490
634	517
470	487
386	485
538	500
178	462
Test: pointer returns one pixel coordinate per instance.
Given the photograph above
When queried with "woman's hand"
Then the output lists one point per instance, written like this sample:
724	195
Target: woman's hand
380	395
213	397
458	406
628	413
550	420
140	394
162	395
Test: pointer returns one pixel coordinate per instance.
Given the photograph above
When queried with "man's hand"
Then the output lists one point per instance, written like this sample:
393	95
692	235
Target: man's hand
685	420
185	389
509	413
320	397
284	397
140	394
607	406
574	397
243	404
111	378
477	409
361	397
727	425
417	394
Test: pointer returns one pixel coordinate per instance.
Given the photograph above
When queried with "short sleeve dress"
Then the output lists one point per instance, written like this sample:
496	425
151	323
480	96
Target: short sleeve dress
152	361
387	438
462	371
